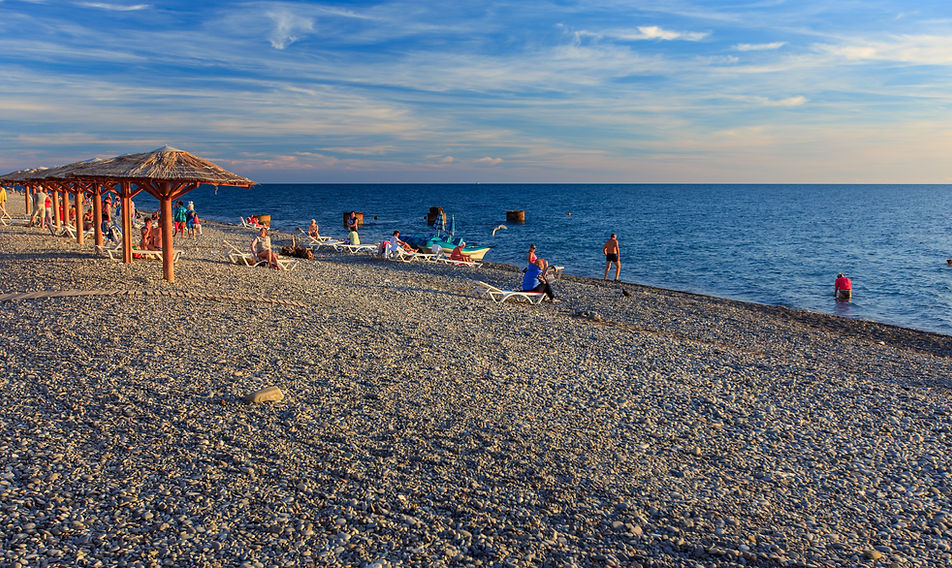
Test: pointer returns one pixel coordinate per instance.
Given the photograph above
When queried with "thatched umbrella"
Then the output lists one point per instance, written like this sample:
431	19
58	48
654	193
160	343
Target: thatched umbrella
167	174
25	178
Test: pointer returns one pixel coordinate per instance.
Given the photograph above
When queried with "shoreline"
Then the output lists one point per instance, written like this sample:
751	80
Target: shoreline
422	425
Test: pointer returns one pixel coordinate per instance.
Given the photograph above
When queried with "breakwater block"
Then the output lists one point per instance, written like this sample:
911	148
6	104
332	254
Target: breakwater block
267	394
517	216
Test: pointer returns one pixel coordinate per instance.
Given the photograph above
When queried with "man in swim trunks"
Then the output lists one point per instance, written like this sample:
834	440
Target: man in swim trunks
843	288
612	256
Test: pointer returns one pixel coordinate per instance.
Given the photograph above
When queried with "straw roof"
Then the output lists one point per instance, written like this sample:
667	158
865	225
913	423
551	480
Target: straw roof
24	175
163	164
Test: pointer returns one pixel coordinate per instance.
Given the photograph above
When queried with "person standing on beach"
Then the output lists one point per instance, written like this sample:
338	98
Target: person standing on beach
39	206
843	288
612	256
3	199
180	217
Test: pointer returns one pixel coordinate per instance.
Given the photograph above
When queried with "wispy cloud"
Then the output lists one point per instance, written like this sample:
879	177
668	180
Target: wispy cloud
116	7
643	33
913	49
760	46
288	27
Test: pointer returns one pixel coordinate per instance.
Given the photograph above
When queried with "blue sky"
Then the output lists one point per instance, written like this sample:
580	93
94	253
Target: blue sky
522	91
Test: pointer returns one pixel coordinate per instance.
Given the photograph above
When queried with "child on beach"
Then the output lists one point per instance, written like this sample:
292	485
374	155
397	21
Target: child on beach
191	221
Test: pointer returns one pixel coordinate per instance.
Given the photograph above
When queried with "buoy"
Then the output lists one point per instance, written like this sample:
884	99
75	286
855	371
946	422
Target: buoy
517	216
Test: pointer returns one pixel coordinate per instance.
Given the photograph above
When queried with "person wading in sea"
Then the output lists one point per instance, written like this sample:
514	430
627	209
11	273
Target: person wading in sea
612	256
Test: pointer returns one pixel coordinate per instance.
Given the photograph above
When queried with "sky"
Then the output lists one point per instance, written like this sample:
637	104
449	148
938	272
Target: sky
523	91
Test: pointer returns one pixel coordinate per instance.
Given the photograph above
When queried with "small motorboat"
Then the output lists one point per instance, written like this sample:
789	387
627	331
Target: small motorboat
446	241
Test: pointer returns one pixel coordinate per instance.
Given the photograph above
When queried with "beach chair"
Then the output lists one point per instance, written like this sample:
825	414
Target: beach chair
252	226
5	218
312	241
446	260
238	256
354	249
499	295
328	244
114	252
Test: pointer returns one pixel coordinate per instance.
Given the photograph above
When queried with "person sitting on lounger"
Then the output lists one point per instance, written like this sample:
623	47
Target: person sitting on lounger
312	230
394	245
353	238
457	254
261	247
535	280
151	236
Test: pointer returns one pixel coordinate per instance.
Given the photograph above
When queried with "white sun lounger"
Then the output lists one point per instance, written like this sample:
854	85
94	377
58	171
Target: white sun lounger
115	253
499	295
446	260
237	256
312	241
354	249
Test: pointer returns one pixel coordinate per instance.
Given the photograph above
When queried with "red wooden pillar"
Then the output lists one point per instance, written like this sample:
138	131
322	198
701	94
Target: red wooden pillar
29	199
168	266
97	213
78	198
124	189
56	216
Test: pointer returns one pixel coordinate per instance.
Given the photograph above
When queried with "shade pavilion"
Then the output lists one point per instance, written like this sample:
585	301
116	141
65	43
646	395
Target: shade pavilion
166	173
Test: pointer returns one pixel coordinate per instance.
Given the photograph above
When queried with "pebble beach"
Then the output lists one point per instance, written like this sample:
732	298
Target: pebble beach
422	425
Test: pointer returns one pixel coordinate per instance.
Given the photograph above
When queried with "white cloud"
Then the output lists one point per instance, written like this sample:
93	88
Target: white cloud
760	46
489	161
288	27
116	7
642	33
917	50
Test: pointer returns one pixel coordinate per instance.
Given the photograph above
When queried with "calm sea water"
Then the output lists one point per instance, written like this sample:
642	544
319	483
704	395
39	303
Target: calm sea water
770	244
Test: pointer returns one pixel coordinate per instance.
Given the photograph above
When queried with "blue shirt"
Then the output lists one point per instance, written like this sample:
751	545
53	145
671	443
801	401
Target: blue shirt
531	279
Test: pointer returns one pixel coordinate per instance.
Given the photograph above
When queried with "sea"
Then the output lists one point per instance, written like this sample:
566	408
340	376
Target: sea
769	244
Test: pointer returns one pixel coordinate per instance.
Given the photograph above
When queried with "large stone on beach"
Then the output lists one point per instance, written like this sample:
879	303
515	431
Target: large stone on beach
267	394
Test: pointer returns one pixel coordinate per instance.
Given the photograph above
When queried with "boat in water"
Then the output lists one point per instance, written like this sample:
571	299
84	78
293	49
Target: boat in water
446	239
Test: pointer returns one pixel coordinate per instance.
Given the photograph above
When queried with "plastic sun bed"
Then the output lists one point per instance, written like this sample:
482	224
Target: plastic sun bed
238	256
115	253
354	249
499	295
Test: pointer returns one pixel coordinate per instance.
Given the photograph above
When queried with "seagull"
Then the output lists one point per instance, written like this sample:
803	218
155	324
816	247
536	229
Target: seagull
499	227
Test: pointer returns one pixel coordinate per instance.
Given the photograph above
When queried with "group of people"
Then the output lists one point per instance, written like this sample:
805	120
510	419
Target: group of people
185	220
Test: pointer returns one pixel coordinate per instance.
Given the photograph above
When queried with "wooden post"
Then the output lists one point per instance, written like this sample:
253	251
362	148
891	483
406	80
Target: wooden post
55	199
166	203
126	222
78	198
29	199
97	213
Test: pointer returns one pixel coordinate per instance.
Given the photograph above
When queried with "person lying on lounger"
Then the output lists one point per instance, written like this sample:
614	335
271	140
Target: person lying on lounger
261	247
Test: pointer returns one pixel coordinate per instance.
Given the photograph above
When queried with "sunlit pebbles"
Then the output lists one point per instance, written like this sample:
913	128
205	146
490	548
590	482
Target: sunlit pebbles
424	426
